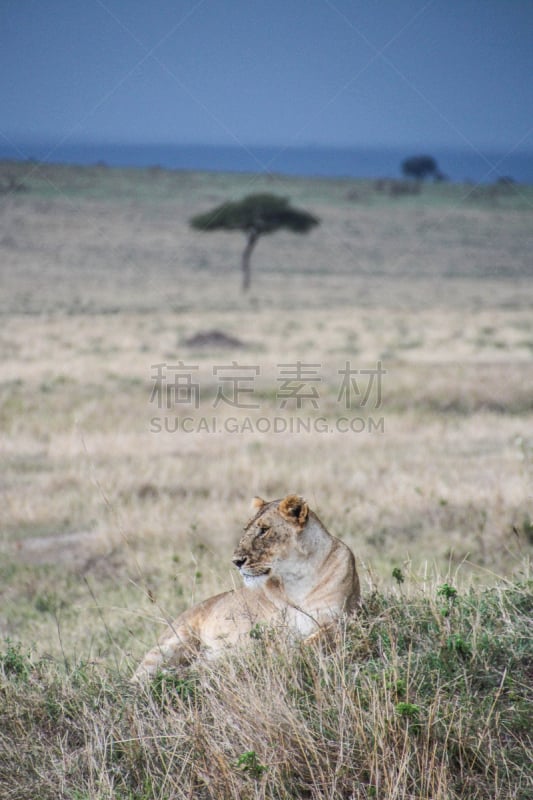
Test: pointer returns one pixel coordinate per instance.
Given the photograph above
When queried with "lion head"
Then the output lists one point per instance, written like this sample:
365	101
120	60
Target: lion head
272	539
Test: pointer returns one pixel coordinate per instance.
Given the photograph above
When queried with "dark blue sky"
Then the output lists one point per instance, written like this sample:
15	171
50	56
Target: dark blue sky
418	73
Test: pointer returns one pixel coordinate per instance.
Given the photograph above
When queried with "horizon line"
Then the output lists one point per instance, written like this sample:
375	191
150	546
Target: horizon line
49	139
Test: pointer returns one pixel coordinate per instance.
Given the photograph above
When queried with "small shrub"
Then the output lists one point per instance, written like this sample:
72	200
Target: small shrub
457	644
398	576
258	631
411	713
407	710
14	662
248	762
447	591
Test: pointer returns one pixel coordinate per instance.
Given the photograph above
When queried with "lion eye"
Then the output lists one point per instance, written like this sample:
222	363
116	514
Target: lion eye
263	530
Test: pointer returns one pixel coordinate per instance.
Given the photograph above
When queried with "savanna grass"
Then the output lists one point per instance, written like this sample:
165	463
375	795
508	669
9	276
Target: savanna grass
428	696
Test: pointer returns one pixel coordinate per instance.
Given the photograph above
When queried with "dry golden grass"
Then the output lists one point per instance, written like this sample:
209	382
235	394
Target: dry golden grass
104	279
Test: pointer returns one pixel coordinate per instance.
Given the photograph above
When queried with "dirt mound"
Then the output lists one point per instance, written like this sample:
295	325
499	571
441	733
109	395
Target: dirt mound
213	338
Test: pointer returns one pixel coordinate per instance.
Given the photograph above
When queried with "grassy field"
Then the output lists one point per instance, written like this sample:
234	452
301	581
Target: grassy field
114	517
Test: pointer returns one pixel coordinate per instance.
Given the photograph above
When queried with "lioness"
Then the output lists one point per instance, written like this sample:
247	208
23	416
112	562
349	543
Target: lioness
295	574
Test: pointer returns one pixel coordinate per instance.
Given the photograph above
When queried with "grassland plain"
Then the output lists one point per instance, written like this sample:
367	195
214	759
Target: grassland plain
113	520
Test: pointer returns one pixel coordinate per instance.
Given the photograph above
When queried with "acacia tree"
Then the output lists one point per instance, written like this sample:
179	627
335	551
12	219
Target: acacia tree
420	167
254	215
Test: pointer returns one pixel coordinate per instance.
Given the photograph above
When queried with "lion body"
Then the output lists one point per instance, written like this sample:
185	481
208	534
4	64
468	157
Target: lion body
295	575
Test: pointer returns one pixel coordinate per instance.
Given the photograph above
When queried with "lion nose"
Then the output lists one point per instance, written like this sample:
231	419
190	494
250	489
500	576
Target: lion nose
238	562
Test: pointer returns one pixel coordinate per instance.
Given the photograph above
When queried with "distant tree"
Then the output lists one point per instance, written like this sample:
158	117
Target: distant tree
420	167
254	215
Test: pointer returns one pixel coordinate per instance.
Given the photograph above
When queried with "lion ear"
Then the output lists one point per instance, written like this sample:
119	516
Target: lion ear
257	503
294	509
